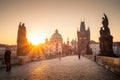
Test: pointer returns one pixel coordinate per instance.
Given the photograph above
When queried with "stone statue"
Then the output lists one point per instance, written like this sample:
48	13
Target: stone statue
101	32
106	39
22	44
105	25
105	21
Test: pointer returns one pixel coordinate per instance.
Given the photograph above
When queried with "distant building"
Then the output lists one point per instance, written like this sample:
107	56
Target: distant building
54	46
83	36
47	47
13	49
92	41
95	48
116	48
2	49
65	49
56	42
74	46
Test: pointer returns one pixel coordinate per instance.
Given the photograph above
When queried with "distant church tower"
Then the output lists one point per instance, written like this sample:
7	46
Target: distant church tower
83	36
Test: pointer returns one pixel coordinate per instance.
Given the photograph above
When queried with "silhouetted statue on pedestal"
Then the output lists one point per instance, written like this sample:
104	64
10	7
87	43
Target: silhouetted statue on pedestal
22	44
106	39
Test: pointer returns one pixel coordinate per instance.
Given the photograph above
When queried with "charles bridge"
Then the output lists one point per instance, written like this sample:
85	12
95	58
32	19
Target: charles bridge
68	68
105	66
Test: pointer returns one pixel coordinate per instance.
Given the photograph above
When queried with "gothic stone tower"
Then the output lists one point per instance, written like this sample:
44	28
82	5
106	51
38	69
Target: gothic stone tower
83	39
22	44
106	39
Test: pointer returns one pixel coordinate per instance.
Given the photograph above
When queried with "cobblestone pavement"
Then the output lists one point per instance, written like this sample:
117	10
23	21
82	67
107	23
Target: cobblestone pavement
68	68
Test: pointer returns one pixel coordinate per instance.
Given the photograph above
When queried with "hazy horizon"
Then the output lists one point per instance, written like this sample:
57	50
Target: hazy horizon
45	16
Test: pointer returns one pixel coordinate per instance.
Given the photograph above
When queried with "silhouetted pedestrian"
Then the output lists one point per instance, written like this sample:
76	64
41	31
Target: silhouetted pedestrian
59	55
7	58
94	56
79	55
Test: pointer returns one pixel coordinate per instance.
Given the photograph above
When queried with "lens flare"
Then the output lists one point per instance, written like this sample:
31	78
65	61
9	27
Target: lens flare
36	38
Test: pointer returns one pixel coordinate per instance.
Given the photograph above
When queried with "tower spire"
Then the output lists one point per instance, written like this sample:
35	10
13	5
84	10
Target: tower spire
68	41
82	26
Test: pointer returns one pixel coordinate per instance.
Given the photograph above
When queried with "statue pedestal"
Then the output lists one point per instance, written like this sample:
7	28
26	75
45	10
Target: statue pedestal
106	43
23	59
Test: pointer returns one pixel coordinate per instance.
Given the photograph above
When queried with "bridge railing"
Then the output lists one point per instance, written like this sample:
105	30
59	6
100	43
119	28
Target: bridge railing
110	63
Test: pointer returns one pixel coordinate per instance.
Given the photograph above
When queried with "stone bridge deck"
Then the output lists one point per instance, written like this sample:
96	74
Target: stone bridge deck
68	68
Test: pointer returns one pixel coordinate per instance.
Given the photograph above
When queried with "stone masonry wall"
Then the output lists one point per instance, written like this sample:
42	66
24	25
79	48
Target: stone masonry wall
110	63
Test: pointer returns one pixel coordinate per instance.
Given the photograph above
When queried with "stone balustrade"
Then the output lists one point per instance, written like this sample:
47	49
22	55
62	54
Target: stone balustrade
110	63
23	59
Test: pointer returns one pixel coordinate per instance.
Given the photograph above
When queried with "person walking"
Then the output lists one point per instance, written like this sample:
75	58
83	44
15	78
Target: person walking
7	58
79	55
59	55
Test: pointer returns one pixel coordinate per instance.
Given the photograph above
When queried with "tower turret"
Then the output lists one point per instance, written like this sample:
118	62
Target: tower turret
82	27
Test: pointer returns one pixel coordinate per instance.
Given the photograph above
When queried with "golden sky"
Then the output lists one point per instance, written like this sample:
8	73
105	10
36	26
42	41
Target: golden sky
45	16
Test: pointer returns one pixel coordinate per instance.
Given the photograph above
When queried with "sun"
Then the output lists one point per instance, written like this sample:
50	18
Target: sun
36	38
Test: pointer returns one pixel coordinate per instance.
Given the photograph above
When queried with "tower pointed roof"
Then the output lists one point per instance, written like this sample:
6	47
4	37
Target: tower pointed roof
82	26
